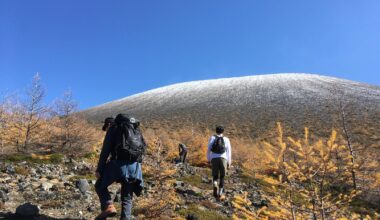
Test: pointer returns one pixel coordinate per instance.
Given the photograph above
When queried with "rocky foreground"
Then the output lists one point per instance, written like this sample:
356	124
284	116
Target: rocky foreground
66	191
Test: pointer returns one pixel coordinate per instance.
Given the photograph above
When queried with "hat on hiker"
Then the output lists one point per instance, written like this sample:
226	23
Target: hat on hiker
107	122
124	118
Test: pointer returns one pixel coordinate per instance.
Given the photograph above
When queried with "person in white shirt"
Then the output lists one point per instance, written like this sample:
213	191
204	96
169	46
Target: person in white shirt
219	155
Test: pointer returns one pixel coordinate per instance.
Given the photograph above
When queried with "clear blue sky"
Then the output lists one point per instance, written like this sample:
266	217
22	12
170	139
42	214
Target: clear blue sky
105	50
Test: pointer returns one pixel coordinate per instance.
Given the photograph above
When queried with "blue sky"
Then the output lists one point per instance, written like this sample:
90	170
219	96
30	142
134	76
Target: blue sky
105	50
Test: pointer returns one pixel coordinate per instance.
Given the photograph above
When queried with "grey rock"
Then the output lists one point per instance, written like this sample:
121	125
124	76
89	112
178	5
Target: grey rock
46	186
54	188
91	209
21	179
27	210
10	169
23	186
192	191
46	195
191	217
179	184
206	180
32	172
68	184
70	205
83	185
195	191
3	196
71	160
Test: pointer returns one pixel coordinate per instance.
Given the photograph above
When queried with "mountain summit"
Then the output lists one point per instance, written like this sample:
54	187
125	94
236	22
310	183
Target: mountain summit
252	105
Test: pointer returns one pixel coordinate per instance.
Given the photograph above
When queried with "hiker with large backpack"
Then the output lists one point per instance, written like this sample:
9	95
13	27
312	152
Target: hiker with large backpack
125	146
219	155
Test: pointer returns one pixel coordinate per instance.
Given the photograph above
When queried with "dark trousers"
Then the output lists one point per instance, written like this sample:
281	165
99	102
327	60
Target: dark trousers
219	167
182	156
110	175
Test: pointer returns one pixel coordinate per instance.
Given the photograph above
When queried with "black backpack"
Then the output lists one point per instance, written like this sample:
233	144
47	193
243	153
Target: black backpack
218	146
131	145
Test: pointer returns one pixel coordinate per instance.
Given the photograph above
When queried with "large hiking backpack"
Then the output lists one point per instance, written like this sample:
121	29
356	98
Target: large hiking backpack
131	145
218	146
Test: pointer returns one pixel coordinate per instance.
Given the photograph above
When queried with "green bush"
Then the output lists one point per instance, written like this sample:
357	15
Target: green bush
56	158
17	158
202	214
53	158
91	155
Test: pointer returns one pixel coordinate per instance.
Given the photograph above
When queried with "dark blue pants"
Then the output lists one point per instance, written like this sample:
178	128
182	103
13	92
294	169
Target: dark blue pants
182	156
112	173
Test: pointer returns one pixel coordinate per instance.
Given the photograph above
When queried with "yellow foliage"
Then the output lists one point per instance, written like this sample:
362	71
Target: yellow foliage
304	170
40	157
240	202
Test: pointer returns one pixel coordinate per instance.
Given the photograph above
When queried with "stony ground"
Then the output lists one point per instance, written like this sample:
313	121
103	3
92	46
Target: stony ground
66	191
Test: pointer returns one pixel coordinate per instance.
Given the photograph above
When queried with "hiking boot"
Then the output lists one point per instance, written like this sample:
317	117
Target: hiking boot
215	188
110	211
222	198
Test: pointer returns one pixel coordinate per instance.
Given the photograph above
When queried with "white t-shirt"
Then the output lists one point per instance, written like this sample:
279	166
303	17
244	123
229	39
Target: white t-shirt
227	154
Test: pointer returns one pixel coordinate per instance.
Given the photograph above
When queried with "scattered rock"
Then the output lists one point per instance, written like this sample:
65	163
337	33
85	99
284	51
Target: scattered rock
83	185
32	172
3	196
91	209
10	169
191	217
46	186
54	188
206	180
27	210
179	184
195	191
68	184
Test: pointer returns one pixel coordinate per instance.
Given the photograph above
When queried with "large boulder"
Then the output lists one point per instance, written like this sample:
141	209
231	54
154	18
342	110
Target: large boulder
27	210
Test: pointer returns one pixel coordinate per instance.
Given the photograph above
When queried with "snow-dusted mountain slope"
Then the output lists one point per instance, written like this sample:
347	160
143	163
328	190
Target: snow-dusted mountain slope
254	103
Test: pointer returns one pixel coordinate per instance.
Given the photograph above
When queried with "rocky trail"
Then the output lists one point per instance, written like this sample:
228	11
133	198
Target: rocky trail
66	191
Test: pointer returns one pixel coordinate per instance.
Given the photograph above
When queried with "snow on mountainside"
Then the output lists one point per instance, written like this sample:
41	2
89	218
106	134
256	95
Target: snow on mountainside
253	104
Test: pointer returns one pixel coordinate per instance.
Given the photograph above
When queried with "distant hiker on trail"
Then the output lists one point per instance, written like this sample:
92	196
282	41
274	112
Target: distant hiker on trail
219	154
126	146
182	152
108	123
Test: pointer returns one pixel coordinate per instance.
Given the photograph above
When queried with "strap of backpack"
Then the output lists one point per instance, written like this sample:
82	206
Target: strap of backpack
122	142
216	137
136	171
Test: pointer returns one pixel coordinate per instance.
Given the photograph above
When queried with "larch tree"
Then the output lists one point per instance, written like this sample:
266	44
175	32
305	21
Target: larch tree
3	121
64	108
308	180
33	109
